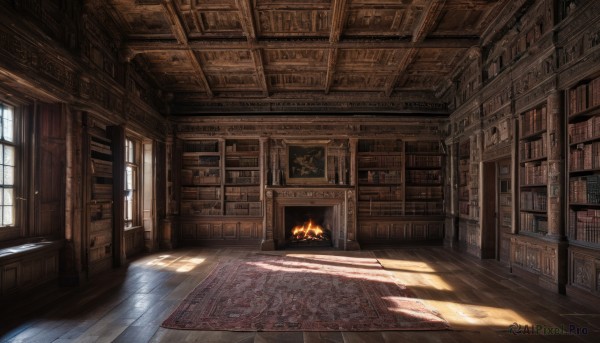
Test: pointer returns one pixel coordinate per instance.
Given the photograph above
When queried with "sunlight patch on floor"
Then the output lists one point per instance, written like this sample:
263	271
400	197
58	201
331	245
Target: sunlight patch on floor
462	314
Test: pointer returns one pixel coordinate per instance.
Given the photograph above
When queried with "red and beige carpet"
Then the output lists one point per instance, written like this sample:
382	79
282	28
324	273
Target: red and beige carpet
302	292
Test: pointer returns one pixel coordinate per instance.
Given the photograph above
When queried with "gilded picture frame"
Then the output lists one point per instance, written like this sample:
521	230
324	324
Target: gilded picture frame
307	163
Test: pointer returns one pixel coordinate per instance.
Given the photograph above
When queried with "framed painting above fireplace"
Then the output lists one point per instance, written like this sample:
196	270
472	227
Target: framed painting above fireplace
307	163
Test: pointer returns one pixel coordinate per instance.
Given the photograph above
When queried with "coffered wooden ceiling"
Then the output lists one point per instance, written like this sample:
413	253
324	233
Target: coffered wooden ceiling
215	56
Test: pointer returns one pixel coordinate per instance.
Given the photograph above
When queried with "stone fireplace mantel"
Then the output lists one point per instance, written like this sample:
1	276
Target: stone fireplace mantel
342	199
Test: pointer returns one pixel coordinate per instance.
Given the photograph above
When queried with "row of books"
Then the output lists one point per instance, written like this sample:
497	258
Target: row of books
534	201
380	194
533	121
244	208
424	208
584	96
585	189
585	156
423	147
101	167
242	194
377	177
240	162
531	222
424	176
242	146
201	161
585	225
533	149
201	193
534	173
420	161
201	146
203	208
102	191
375	209
463	193
414	192
379	146
393	161
584	130
200	176
244	177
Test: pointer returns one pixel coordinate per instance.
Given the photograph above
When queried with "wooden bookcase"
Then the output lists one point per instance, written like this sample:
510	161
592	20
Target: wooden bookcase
424	190
584	163
583	231
242	178
201	178
533	165
100	208
464	166
380	178
400	191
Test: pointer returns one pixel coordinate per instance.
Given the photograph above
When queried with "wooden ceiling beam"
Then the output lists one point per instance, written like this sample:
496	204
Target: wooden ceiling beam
407	59
182	40
250	29
199	72
331	63
177	26
337	26
428	18
150	45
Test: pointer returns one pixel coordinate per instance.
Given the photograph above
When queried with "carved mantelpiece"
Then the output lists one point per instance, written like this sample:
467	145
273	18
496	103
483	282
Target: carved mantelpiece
342	199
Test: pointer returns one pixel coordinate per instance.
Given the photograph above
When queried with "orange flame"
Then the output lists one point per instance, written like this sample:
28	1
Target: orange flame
308	231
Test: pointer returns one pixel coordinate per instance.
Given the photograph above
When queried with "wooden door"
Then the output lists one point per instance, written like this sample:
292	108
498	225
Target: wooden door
488	214
504	187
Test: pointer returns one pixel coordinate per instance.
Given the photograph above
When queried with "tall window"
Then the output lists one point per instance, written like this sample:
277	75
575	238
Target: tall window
7	166
131	183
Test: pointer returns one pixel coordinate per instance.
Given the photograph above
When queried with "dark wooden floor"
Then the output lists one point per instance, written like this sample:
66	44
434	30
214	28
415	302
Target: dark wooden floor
479	299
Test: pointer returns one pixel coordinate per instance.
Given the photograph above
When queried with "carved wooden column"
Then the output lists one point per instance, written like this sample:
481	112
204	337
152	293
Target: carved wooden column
555	167
514	157
353	145
268	243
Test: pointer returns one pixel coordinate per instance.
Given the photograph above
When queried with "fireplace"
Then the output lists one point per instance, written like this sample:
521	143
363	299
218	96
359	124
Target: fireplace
331	207
309	226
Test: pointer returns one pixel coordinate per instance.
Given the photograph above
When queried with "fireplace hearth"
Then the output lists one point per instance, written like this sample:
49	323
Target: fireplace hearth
332	208
309	226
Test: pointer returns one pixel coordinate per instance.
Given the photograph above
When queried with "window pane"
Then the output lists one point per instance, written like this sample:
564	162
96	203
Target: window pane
7	215
9	155
128	178
8	196
7	124
9	176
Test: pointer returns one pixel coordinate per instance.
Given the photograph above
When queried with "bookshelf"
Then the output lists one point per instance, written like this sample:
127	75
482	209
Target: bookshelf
242	177
380	178
583	105
424	190
463	179
201	170
533	166
100	208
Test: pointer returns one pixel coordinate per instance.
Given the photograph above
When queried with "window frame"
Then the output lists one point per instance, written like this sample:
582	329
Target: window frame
131	161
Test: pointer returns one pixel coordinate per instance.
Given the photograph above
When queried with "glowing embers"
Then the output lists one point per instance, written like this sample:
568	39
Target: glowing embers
309	226
310	234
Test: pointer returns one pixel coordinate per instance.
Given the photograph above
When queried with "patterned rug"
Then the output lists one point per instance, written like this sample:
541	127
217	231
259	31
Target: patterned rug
302	292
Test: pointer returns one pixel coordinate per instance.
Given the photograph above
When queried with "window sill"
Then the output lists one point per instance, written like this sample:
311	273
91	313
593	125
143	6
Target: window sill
131	228
18	251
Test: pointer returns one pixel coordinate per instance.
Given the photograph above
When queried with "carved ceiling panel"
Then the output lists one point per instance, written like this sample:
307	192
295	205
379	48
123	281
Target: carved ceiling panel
382	19
231	50
369	59
359	82
144	18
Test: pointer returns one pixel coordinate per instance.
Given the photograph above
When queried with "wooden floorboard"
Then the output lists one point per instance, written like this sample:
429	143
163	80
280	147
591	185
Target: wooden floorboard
479	299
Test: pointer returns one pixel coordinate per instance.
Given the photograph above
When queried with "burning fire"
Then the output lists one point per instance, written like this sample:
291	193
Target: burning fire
308	231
